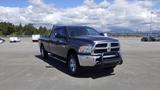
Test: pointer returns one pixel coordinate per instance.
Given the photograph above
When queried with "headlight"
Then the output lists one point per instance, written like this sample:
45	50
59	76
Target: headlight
85	49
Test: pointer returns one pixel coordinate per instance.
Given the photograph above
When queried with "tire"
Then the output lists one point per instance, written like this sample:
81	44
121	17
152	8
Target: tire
121	62
73	64
44	53
110	69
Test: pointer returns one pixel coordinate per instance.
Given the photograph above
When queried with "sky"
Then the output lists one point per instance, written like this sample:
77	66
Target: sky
58	3
101	14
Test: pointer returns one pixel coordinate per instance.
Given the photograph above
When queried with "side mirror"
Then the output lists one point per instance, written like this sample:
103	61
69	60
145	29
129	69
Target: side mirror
104	34
101	34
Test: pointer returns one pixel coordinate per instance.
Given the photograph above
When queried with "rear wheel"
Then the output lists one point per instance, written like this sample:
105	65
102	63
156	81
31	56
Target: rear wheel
73	65
44	53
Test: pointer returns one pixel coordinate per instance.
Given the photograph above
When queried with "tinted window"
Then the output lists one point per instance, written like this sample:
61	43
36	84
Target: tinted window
82	31
60	31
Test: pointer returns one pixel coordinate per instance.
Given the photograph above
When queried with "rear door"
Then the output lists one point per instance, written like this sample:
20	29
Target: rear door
53	41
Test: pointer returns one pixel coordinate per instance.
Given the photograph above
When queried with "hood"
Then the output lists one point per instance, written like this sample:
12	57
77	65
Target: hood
96	38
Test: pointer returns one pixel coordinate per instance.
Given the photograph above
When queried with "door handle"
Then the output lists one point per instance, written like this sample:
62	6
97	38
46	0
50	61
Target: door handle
54	41
60	42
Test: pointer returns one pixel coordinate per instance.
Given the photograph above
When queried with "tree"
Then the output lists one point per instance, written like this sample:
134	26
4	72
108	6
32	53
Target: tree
7	28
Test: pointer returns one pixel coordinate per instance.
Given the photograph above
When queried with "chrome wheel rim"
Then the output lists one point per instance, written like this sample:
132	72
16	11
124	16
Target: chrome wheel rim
72	65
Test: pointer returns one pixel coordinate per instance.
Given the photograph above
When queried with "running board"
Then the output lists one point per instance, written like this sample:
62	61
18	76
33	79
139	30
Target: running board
58	59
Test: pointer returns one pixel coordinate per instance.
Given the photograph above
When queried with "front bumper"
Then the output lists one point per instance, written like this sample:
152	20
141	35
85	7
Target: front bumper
94	60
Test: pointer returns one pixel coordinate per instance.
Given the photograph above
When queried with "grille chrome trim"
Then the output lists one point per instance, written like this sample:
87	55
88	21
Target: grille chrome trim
101	48
108	48
109	56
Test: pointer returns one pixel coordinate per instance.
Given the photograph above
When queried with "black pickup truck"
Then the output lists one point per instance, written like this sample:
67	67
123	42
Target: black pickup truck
81	46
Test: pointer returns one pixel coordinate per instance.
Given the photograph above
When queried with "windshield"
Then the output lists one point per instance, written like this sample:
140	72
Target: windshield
82	31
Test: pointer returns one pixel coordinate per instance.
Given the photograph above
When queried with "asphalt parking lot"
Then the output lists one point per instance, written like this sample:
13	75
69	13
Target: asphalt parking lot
21	68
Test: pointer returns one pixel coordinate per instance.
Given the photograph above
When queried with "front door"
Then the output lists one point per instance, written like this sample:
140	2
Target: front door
58	44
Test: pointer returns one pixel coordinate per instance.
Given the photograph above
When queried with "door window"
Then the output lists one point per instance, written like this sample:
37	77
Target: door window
60	30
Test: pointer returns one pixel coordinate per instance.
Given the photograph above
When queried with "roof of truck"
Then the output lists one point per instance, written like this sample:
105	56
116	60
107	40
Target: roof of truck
69	26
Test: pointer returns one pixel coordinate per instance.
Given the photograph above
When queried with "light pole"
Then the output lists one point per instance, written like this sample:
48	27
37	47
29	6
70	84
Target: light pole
151	23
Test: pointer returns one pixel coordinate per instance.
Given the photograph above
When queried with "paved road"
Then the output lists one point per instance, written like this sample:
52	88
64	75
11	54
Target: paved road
21	68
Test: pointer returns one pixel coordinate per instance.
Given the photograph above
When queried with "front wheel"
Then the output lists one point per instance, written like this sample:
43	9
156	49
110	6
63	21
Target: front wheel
110	69
73	65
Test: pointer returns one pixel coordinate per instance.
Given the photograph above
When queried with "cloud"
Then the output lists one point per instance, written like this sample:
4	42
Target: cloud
36	2
103	15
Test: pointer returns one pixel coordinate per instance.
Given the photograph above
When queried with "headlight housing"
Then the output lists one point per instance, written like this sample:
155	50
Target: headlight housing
85	49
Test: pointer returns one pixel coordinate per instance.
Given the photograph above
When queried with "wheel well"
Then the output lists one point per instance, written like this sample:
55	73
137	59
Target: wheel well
71	51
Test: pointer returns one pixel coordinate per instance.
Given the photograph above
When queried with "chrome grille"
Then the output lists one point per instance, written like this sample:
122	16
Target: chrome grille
100	50
102	45
115	49
106	47
114	44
